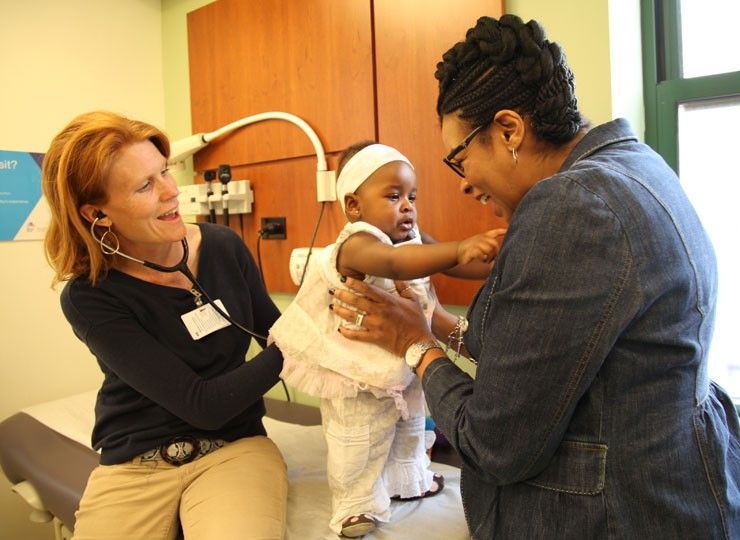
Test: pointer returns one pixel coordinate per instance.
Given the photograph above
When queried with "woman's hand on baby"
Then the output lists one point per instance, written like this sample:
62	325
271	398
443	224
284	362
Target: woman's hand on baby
392	322
481	247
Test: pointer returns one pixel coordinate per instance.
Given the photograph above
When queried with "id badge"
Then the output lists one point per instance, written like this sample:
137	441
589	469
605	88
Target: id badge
205	320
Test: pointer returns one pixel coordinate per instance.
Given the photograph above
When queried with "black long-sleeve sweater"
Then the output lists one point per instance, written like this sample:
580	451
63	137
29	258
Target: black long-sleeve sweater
159	382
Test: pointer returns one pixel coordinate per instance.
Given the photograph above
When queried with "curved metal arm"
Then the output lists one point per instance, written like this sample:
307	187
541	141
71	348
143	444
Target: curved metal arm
325	185
275	115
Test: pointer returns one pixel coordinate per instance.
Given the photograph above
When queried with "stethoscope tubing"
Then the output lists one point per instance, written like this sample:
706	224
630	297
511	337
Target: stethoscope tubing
181	266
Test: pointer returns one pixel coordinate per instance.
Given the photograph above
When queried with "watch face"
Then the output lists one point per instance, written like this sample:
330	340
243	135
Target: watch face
413	355
416	351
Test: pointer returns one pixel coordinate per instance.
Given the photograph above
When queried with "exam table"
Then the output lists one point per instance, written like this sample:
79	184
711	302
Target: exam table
45	453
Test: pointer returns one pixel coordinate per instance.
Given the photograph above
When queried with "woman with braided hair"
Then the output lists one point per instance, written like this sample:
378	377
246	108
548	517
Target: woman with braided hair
591	414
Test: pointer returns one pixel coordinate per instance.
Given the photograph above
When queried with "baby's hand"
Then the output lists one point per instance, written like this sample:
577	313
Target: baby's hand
482	247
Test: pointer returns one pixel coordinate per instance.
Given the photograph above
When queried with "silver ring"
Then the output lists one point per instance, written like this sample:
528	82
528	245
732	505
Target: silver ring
359	318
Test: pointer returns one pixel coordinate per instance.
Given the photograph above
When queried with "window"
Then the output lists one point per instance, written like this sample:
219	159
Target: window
692	114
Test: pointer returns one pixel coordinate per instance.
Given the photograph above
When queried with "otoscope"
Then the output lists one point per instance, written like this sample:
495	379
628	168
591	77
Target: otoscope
209	176
224	176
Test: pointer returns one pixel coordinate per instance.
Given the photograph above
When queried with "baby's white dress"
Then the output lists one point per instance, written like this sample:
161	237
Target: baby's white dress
321	362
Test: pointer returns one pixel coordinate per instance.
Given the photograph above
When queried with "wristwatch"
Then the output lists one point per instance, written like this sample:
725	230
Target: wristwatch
416	351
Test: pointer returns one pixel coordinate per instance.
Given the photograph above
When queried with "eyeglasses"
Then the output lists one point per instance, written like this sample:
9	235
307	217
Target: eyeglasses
450	159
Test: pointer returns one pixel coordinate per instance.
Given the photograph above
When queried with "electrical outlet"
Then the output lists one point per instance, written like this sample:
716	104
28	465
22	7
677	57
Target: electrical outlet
273	228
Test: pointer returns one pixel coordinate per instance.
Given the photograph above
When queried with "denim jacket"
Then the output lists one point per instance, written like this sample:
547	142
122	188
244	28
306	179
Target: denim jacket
591	414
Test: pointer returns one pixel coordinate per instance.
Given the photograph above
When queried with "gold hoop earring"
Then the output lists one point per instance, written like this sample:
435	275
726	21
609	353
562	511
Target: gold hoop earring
515	155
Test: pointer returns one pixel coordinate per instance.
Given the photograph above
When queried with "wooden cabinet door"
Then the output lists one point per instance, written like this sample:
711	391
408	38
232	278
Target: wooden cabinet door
410	38
310	58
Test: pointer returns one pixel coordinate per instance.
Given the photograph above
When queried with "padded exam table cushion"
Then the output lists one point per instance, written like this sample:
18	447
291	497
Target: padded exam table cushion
55	465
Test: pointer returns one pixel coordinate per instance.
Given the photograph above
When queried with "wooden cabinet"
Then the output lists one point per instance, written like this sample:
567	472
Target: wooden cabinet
311	58
352	69
410	39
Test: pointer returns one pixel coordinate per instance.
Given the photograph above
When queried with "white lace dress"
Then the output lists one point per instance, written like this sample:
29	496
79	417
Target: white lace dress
321	362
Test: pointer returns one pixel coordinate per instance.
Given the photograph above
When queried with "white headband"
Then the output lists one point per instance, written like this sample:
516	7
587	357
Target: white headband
363	164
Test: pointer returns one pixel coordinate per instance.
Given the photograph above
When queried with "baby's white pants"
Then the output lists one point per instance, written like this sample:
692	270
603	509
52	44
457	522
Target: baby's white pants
373	454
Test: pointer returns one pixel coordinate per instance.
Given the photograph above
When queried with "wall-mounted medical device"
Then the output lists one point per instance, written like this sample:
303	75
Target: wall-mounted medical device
195	199
182	149
297	262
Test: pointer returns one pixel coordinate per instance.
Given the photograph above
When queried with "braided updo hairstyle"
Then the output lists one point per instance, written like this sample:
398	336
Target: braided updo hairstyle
507	64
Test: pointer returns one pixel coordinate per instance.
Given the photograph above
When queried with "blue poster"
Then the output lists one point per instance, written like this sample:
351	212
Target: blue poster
24	214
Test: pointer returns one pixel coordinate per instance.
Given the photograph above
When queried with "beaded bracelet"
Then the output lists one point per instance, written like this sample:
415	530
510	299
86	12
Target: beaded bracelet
455	338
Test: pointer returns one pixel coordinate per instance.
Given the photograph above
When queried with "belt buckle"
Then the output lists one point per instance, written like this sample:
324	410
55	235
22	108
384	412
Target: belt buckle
180	450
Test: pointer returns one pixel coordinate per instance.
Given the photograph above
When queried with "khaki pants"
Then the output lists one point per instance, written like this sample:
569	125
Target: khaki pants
236	492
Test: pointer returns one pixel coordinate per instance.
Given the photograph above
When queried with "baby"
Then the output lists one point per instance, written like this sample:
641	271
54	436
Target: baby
372	405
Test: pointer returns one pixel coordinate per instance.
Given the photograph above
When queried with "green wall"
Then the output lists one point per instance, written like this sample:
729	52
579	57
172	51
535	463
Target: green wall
581	27
176	73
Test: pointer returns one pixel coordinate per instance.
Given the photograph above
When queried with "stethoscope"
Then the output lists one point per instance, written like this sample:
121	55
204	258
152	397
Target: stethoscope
181	266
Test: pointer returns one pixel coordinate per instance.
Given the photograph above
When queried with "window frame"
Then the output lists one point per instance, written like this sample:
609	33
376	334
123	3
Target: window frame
664	87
